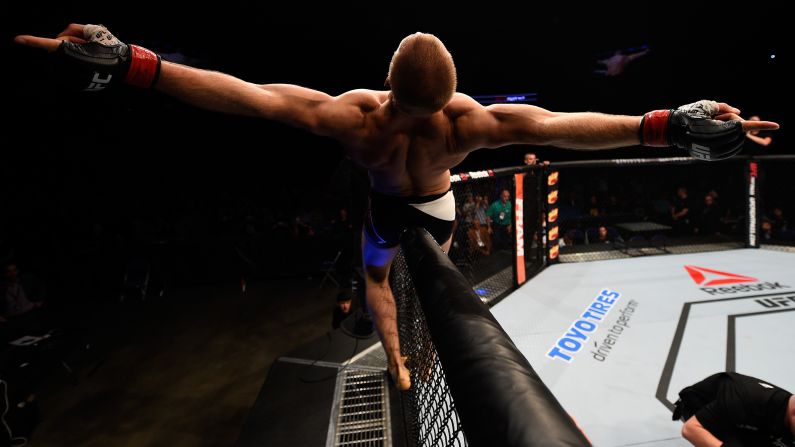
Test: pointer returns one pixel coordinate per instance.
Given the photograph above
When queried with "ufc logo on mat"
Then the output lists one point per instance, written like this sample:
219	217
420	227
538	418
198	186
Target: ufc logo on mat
98	83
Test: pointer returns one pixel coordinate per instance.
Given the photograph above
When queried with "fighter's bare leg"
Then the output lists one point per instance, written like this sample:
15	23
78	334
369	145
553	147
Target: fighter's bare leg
383	310
446	245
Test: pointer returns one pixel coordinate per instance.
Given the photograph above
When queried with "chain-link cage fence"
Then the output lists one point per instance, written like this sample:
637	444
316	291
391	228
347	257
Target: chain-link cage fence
485	241
429	412
484	249
651	207
483	238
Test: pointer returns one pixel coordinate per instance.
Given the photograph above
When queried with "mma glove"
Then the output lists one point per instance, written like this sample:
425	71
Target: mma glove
693	128
104	62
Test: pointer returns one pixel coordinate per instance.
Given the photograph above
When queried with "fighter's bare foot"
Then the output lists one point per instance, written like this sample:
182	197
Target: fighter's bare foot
400	374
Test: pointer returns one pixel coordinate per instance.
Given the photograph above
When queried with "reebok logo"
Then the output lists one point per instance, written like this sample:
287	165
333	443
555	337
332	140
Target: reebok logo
709	277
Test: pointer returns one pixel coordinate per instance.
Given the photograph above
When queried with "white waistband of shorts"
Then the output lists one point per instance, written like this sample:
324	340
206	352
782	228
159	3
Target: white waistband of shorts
442	208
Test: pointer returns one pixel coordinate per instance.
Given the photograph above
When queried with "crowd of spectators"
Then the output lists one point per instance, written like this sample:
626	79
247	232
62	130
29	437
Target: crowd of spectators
694	204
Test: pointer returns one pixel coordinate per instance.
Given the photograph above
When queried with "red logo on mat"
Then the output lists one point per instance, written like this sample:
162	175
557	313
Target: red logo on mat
709	277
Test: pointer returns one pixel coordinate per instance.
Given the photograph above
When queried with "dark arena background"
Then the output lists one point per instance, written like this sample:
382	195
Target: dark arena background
190	262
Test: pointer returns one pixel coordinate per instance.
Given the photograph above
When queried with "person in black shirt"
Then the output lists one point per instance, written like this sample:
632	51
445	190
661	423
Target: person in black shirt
708	221
733	410
757	141
342	309
682	213
21	299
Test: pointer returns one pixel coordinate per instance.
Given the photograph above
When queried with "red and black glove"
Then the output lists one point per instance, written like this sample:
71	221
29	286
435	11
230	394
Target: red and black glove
691	127
105	62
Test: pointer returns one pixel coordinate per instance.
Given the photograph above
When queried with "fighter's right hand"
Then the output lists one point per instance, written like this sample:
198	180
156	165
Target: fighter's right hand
709	130
90	58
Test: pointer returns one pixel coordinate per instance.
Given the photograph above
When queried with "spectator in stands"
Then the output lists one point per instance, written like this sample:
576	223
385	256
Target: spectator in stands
766	230
22	297
717	202
478	238
602	236
500	220
732	410
728	217
758	140
567	240
605	236
595	209
614	205
530	159
468	209
709	218
661	208
481	208
342	309
681	212
302	226
343	237
780	224
570	205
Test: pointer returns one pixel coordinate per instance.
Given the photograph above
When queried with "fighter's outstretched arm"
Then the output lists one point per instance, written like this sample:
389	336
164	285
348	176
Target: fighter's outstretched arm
699	436
706	123
503	124
762	141
302	107
308	109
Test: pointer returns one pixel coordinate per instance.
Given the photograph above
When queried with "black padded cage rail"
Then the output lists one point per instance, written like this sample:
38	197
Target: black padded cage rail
470	384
